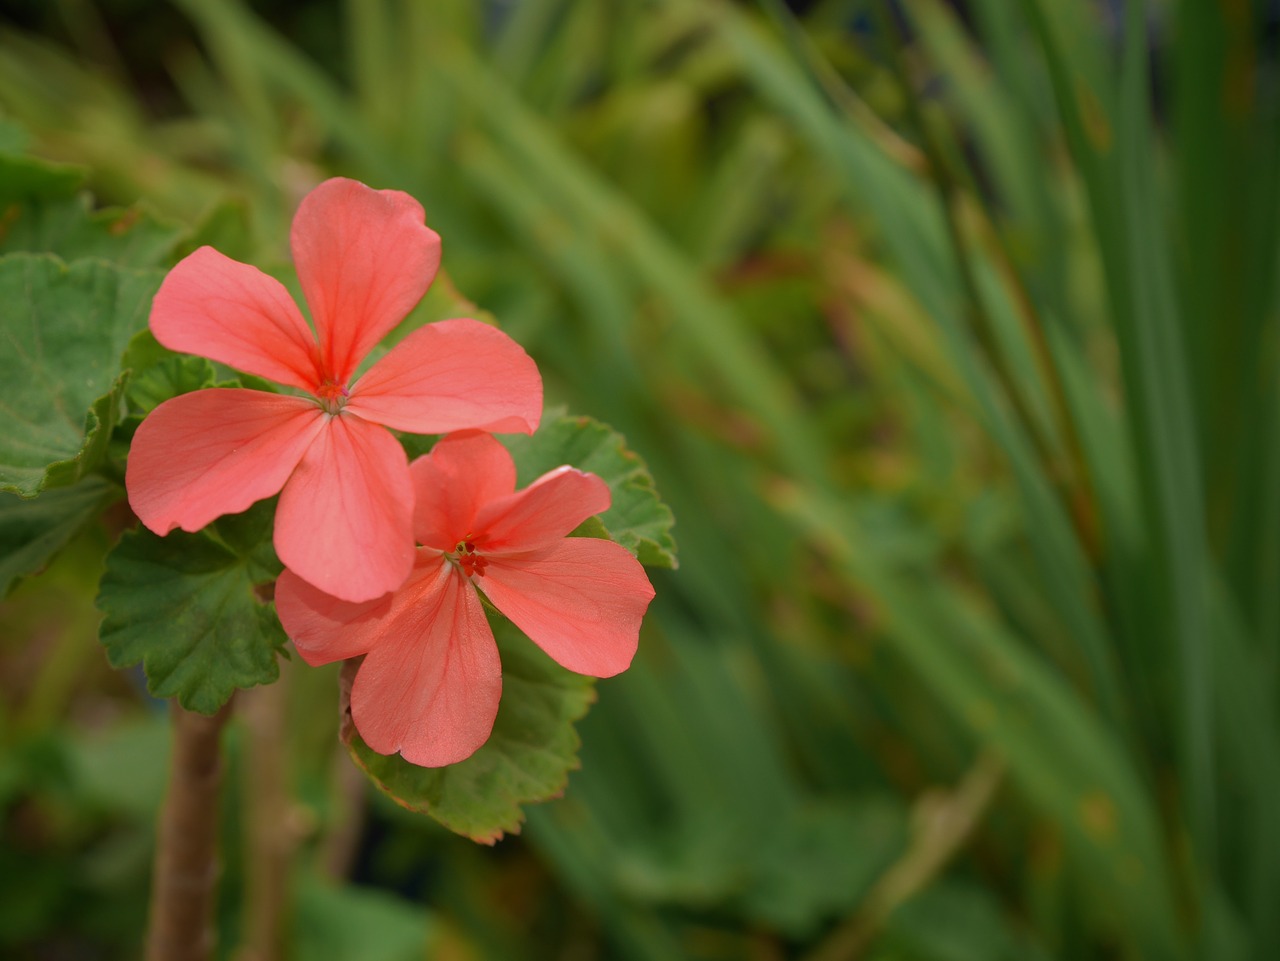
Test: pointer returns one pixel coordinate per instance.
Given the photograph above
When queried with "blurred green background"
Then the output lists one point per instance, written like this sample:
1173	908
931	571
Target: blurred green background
949	332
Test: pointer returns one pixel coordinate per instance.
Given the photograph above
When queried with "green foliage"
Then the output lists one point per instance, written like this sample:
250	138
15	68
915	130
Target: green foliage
188	608
526	759
167	378
71	229
637	519
33	531
954	357
66	327
844	844
533	747
26	179
349	923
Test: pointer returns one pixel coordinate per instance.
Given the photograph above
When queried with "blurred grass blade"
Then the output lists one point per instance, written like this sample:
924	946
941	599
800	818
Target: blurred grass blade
600	213
1110	133
1058	753
904	209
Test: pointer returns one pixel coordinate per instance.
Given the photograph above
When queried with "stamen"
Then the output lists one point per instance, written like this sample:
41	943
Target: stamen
333	396
467	558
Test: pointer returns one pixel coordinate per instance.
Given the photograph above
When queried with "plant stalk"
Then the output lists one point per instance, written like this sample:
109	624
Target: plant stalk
271	832
185	875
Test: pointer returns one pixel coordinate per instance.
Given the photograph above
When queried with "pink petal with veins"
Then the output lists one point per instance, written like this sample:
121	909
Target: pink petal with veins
430	687
364	258
581	601
463	472
213	452
343	523
218	308
542	513
452	375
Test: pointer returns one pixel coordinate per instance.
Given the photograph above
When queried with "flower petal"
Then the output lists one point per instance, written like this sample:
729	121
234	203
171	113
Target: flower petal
430	687
364	258
580	601
325	628
343	522
463	472
213	452
542	513
230	312
452	375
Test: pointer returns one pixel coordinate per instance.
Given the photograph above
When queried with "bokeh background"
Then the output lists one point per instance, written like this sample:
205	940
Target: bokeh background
948	331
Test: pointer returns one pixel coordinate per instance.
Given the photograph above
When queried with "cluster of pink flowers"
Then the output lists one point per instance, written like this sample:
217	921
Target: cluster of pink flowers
382	555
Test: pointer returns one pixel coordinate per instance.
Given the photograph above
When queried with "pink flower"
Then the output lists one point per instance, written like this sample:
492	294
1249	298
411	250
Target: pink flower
430	685
364	258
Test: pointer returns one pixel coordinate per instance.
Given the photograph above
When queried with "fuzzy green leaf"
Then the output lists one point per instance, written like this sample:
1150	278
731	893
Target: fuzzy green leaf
185	605
64	331
172	375
637	519
527	759
32	531
70	228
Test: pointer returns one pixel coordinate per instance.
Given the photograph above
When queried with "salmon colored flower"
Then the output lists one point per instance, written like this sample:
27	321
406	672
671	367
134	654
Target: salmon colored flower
430	683
364	258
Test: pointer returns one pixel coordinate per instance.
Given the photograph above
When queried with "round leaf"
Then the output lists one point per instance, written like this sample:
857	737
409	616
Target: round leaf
185	605
637	519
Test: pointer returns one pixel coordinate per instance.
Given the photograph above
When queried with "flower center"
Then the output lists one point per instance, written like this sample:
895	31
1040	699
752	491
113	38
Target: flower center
466	557
333	396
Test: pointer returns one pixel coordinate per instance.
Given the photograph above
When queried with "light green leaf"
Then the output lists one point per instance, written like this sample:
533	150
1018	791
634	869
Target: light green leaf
32	531
527	759
185	605
64	331
638	519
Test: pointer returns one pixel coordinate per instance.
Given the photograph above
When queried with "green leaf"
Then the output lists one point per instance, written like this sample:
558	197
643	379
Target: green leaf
956	922
822	859
185	605
638	519
172	375
70	228
23	179
527	758
351	923
33	531
65	329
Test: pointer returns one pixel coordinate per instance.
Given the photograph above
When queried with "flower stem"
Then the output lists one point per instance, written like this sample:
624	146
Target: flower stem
186	868
271	830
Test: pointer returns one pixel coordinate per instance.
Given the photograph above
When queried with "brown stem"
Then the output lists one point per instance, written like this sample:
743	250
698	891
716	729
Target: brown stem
339	845
271	831
186	867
